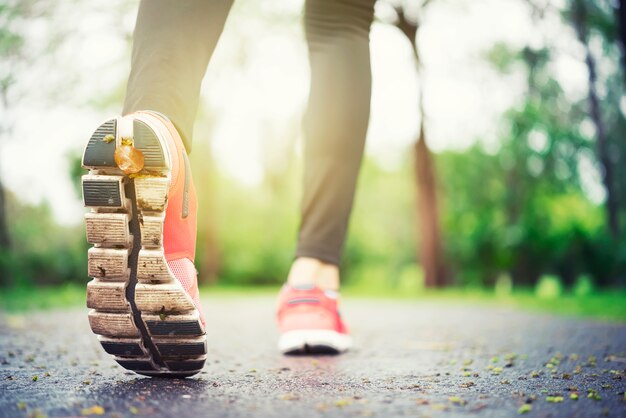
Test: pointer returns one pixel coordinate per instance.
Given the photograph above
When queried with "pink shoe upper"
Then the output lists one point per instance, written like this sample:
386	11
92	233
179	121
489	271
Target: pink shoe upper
308	308
179	229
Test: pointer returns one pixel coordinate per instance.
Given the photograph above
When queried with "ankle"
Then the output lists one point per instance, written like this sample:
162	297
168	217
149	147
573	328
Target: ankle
311	271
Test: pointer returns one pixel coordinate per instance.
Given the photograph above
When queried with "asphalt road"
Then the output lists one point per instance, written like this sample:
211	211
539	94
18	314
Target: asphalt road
411	359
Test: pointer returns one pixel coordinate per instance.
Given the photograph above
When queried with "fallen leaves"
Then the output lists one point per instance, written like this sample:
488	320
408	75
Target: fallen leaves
290	397
593	394
554	399
343	402
455	400
37	414
94	410
108	139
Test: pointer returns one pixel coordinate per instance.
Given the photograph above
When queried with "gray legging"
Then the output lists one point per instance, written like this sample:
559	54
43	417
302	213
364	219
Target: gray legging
173	43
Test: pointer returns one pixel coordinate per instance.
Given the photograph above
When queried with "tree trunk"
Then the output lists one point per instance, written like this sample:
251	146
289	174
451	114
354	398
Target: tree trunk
428	212
209	257
621	23
430	247
612	204
5	242
603	149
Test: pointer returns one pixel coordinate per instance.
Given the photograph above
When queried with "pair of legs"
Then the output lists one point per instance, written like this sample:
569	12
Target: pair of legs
144	298
173	44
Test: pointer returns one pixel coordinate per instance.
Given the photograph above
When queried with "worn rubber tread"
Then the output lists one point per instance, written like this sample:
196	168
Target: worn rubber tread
107	296
102	193
135	365
147	142
174	328
107	229
121	348
181	349
182	365
126	225
108	264
98	152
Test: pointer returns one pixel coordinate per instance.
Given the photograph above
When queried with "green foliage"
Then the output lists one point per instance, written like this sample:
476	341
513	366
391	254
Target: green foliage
502	57
257	228
548	287
599	304
583	286
257	231
493	224
381	244
42	252
10	43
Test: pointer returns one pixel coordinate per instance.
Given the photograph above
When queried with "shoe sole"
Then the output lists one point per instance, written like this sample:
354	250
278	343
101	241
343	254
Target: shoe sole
306	342
142	315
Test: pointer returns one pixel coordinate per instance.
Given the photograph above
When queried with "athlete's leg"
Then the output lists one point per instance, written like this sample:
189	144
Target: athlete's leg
142	220
172	45
336	122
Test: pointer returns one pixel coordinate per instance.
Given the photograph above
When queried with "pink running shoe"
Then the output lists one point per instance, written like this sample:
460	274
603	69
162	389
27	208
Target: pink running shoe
309	322
144	299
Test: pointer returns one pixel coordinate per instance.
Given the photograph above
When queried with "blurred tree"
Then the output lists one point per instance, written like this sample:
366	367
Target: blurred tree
13	54
546	155
579	15
208	259
10	48
621	19
599	27
5	241
430	248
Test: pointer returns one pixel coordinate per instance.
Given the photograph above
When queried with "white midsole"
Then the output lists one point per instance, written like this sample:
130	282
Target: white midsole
297	339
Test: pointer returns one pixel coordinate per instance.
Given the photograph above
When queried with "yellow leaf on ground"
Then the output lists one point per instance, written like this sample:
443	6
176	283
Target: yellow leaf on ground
94	410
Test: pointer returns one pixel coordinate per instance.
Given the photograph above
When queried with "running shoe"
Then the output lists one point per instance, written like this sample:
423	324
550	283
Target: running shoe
143	296
309	321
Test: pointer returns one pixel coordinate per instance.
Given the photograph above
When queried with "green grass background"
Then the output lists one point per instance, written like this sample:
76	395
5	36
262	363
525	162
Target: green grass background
610	306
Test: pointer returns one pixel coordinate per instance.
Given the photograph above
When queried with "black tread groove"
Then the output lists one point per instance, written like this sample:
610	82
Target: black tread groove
133	258
181	349
121	348
173	328
135	365
147	142
188	365
102	193
99	153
